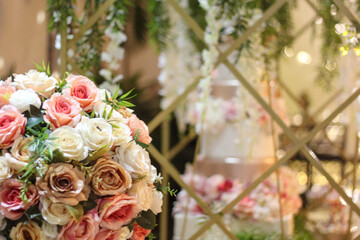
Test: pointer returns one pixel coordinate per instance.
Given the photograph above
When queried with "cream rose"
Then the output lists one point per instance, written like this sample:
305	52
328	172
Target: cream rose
5	170
143	194
70	142
54	213
63	183
22	99
157	202
96	132
109	178
19	154
37	81
122	132
28	231
51	231
134	159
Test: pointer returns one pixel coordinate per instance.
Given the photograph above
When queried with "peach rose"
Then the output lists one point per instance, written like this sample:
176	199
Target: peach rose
63	183
29	231
107	234
139	233
109	178
61	111
85	229
10	202
6	90
12	125
135	124
82	90
117	211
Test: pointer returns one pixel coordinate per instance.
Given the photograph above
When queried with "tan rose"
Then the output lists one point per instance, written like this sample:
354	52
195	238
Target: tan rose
109	178
19	154
28	231
63	183
54	213
143	193
5	169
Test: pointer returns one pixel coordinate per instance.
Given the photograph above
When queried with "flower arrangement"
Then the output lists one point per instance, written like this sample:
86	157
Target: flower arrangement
73	164
261	204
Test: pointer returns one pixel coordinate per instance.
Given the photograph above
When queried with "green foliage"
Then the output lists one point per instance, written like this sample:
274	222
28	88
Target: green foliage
165	189
76	211
151	237
59	11
146	220
159	23
43	68
119	102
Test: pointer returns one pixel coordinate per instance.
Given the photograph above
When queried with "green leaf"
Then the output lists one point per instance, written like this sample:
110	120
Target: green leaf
104	113
136	136
116	93
77	211
92	114
147	220
126	94
33	121
110	113
92	157
143	145
34	111
58	156
88	205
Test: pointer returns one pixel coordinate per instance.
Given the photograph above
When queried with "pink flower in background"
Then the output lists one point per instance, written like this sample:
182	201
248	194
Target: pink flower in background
226	186
61	111
139	233
135	124
230	110
11	204
84	229
12	125
82	90
117	211
5	92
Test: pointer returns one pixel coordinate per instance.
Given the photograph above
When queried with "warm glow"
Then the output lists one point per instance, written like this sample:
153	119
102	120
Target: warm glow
303	57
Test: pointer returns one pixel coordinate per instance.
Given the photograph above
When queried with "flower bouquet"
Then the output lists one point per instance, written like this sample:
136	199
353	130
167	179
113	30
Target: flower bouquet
73	163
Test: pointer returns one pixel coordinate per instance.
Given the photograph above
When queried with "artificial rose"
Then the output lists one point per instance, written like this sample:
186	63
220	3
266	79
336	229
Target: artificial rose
51	231
96	132
84	229
134	159
6	90
121	131
2	222
54	213
82	90
22	99
109	178
28	231
2	237
157	201
61	110
139	233
12	125
107	234
40	82
5	169
63	183
70	142
143	193
11	204
136	125
117	211
19	154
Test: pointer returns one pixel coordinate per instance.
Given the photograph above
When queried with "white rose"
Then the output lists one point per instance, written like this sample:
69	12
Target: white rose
95	132
19	154
143	194
5	170
134	159
157	201
22	99
121	131
55	213
38	81
70	142
125	233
